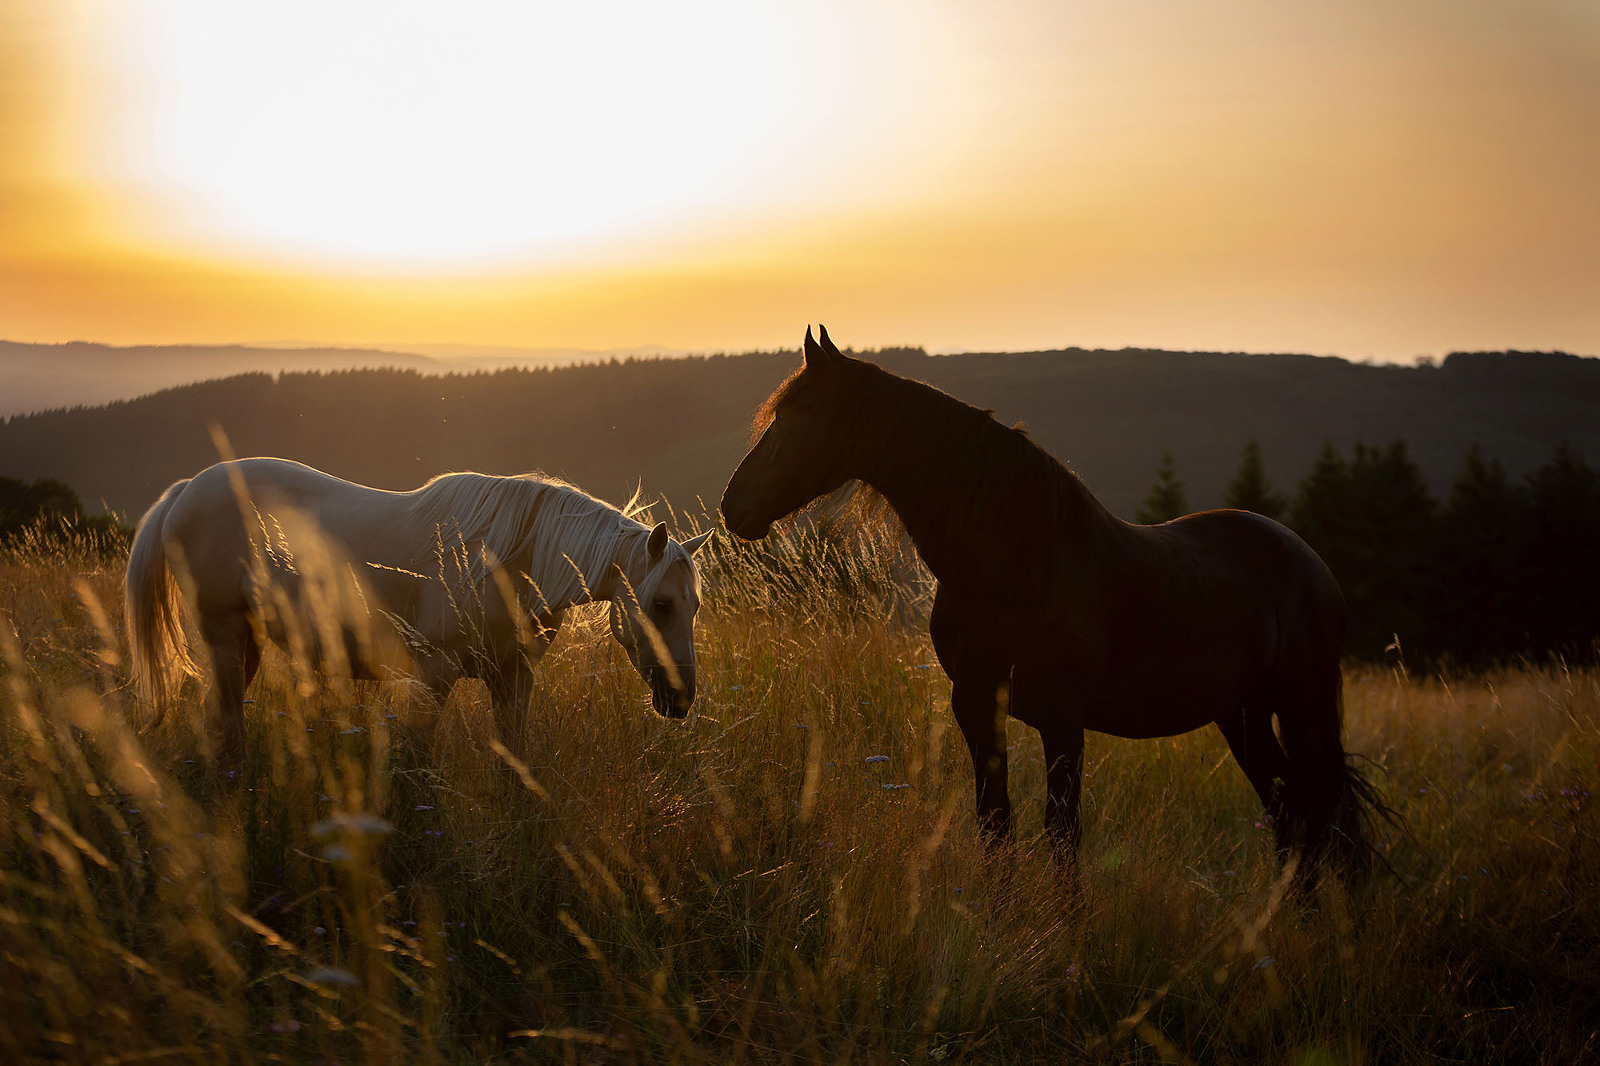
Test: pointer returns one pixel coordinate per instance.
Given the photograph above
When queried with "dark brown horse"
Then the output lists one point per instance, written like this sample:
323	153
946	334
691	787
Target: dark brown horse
1053	610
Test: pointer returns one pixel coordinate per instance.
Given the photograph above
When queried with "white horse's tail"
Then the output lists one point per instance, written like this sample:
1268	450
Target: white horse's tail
157	647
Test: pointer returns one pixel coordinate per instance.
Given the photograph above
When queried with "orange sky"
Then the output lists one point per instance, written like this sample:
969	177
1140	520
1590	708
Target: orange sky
1357	177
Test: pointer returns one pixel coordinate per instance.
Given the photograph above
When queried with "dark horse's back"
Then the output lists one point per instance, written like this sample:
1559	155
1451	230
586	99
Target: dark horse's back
1208	614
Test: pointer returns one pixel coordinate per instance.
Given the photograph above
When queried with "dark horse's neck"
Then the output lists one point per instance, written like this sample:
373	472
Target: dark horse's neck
985	505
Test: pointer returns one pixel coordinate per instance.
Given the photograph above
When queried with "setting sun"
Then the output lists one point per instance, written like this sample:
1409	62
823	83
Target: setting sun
389	134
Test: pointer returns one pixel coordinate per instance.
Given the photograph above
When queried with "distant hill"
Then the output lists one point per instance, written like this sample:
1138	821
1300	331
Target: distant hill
43	377
492	357
679	426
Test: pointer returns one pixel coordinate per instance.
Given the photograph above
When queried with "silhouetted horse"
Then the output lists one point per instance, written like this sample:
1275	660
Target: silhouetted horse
468	576
1051	609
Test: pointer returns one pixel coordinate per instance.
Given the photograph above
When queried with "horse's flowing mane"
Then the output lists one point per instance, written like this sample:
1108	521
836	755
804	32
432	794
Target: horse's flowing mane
765	412
961	476
568	538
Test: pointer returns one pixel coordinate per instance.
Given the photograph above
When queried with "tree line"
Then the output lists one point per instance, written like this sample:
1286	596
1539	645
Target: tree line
48	511
1498	569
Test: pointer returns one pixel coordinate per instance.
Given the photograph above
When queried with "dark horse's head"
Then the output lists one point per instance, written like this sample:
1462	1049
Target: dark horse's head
806	437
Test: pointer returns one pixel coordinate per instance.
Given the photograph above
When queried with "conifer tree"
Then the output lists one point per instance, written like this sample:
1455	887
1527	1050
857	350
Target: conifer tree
1250	490
1166	500
1394	524
1370	520
1321	509
1560	558
1473	611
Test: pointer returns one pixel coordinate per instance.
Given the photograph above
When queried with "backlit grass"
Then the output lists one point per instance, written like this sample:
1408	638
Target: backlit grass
794	873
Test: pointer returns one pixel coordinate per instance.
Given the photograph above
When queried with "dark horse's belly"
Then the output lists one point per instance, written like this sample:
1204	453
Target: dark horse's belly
1058	672
1166	714
1140	673
1160	684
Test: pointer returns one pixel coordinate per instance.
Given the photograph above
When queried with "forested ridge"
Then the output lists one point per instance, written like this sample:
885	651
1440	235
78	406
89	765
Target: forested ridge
680	425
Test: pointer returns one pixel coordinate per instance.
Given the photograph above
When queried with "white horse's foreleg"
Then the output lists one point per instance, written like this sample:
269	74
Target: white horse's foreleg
511	680
510	685
545	628
436	674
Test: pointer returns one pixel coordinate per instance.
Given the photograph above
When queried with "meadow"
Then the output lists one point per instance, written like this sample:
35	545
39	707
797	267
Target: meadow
793	873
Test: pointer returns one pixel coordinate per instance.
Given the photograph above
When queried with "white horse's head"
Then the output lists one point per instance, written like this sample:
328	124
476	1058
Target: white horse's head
654	620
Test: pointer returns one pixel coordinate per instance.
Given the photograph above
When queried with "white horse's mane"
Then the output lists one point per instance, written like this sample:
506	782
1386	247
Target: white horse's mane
569	538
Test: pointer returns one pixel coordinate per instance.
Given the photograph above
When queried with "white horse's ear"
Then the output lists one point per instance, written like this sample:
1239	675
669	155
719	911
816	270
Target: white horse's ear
694	544
658	540
819	354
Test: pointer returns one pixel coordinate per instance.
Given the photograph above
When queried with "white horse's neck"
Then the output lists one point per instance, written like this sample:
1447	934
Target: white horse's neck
572	547
628	568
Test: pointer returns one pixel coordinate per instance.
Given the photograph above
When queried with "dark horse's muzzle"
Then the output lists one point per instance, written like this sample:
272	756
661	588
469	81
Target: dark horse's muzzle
742	525
670	702
739	509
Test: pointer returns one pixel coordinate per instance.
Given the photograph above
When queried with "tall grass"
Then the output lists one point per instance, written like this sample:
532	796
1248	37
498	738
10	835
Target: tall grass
794	873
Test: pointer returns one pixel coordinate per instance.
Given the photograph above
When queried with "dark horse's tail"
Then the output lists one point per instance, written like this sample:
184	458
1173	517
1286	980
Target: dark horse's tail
1340	805
1357	810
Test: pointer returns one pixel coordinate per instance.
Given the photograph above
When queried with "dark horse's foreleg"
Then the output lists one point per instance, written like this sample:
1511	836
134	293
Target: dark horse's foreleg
981	716
1039	698
977	683
235	656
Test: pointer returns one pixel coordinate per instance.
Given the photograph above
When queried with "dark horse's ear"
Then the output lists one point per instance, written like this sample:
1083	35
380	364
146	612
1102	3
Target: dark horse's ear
820	354
658	540
827	343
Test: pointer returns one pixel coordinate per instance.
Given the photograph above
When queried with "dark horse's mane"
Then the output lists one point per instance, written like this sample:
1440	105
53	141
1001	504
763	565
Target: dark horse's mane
963	480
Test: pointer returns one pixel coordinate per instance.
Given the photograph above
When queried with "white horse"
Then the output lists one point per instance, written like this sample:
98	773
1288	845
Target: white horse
468	576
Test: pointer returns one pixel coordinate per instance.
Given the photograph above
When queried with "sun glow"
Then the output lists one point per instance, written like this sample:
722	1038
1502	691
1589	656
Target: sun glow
1240	174
394	133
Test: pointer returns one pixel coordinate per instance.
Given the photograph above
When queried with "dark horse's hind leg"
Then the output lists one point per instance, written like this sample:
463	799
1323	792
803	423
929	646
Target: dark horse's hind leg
1310	720
1063	756
1305	783
235	656
1255	747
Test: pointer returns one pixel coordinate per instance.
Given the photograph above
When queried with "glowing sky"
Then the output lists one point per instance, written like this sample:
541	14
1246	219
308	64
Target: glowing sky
1355	177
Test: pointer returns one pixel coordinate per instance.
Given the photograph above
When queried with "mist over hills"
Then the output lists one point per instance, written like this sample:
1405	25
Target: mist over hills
679	426
42	377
